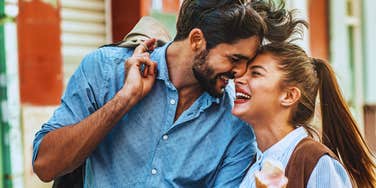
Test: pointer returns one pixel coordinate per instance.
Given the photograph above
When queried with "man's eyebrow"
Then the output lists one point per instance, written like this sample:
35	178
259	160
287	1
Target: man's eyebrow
241	56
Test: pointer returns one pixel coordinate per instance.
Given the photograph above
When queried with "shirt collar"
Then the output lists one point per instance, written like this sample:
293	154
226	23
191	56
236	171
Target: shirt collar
209	99
288	143
159	56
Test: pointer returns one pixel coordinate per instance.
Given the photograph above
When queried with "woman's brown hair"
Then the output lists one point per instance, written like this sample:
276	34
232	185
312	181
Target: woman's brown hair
340	132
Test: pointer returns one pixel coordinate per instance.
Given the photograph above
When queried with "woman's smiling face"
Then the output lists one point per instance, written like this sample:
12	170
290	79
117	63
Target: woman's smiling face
258	91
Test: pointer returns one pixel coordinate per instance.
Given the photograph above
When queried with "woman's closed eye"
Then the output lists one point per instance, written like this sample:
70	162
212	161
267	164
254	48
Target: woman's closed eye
255	73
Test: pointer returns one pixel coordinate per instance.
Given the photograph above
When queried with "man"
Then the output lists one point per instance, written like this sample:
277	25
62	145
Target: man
165	125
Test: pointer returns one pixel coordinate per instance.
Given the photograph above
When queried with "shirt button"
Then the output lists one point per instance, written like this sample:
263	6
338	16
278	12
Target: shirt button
172	101
165	137
154	171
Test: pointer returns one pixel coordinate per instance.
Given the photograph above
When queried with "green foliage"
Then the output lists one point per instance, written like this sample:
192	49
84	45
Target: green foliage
167	19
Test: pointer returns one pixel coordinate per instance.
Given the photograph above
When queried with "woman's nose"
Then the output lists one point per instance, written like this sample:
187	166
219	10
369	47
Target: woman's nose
244	78
240	80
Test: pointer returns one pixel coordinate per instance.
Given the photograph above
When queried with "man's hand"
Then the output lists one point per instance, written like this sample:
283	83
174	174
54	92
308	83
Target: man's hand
140	73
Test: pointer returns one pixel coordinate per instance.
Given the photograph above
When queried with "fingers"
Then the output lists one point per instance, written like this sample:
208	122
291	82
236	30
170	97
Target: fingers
150	44
153	69
141	53
146	65
141	58
146	46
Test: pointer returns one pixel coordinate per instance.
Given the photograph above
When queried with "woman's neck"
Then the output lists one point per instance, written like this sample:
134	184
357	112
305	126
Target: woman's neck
270	132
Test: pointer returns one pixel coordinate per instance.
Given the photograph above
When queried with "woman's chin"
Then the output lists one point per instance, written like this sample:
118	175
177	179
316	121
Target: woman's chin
238	112
243	114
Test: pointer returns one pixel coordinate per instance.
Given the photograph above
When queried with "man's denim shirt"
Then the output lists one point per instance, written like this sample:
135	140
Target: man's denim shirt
205	147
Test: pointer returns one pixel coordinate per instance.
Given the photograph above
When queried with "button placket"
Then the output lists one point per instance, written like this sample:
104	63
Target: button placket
165	137
154	171
172	101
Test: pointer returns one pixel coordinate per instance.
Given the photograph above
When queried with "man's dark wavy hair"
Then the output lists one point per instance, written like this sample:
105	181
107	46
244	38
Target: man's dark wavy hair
221	21
228	21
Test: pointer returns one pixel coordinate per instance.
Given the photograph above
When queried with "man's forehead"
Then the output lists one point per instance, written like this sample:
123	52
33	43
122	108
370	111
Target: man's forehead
248	54
248	45
241	50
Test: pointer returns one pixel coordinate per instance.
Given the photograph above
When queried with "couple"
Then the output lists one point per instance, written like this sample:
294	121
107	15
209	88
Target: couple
170	124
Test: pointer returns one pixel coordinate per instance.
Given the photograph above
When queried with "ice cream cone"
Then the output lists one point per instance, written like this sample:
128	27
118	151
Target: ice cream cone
272	175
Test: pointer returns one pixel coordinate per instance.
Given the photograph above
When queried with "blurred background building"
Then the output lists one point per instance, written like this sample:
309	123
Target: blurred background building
43	41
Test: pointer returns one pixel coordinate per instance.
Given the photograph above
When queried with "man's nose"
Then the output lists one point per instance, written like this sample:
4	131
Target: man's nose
240	69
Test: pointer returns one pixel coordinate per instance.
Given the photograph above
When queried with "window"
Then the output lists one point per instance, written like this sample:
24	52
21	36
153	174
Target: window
346	52
84	29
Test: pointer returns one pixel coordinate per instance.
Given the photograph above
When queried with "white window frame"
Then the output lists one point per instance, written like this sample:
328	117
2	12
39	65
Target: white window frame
85	26
369	15
340	22
302	8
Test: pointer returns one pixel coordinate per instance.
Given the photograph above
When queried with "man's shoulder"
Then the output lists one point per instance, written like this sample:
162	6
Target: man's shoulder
232	124
239	125
104	61
111	54
226	102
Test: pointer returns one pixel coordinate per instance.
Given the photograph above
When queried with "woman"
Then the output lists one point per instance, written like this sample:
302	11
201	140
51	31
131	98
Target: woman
277	97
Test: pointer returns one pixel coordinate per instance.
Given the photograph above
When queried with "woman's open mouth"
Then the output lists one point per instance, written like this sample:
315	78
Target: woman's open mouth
242	96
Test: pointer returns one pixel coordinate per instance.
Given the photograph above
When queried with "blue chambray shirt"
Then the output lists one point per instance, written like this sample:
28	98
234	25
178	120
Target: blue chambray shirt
205	147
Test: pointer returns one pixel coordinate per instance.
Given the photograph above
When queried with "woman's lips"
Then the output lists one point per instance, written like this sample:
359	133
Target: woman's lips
242	96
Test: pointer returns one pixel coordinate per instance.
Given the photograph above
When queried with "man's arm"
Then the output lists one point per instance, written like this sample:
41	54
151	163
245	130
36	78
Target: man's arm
64	149
238	157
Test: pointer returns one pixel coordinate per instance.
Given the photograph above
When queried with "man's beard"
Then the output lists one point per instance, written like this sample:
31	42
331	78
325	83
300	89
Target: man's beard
205	74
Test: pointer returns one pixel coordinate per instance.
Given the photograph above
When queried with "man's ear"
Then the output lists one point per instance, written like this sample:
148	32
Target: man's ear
197	40
290	96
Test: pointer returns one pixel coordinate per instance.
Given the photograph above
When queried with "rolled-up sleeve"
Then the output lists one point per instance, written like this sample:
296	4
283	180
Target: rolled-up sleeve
329	173
81	98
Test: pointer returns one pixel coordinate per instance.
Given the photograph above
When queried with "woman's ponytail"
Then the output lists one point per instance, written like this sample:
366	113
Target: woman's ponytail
340	132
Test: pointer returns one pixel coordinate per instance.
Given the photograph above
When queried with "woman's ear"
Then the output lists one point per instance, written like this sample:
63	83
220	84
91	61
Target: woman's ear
197	40
290	96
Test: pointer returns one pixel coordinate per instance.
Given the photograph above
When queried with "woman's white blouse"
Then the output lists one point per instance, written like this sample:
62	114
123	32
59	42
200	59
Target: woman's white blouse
328	173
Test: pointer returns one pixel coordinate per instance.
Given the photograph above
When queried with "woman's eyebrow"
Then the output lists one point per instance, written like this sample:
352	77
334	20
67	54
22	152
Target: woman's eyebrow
258	67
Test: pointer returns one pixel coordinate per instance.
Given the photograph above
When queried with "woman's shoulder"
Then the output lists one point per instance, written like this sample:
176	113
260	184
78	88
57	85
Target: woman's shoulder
329	172
304	159
309	151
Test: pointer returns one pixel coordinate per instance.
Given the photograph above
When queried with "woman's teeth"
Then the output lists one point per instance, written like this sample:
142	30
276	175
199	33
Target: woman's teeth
240	95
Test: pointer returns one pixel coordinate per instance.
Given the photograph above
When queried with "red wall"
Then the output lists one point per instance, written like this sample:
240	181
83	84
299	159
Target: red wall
319	28
40	59
171	6
125	15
